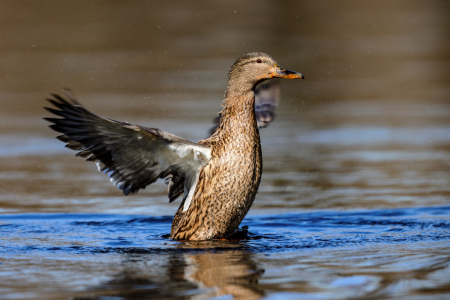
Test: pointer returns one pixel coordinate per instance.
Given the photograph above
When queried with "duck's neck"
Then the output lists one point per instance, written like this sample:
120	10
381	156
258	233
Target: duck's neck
238	113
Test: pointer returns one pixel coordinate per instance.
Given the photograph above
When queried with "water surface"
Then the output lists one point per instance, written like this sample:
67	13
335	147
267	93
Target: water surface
314	254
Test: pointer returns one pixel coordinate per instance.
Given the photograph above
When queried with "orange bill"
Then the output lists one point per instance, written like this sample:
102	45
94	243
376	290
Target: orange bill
283	73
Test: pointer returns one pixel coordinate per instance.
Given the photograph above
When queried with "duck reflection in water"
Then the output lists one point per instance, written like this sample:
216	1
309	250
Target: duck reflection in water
196	274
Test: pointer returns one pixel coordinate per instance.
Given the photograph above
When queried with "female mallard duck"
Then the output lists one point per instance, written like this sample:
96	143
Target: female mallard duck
219	176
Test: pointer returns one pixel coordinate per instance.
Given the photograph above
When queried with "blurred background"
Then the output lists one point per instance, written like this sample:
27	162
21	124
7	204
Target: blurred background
368	127
354	199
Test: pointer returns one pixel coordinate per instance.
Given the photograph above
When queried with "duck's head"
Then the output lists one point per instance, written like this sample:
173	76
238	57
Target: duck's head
253	68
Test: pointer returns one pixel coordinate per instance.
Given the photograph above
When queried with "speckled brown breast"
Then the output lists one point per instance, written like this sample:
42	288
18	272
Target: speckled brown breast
228	185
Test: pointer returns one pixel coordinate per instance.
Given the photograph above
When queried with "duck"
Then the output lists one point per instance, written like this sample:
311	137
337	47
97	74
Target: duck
218	176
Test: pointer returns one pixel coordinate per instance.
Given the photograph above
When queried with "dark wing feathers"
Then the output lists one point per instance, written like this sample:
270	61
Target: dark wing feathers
133	156
267	98
175	185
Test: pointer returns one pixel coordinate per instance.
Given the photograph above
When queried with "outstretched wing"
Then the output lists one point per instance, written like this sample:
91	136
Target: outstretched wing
267	98
133	156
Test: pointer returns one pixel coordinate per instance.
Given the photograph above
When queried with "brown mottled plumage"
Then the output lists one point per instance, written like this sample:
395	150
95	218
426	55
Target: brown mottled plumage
219	176
267	98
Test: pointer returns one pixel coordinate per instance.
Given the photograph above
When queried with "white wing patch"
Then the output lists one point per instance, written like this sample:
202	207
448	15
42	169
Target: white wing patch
183	150
198	157
191	192
192	159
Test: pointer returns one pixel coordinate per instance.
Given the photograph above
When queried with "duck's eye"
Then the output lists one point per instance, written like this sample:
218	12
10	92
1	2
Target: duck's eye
259	61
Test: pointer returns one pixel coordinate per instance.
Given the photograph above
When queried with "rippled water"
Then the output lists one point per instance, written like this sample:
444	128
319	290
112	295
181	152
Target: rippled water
314	254
355	196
